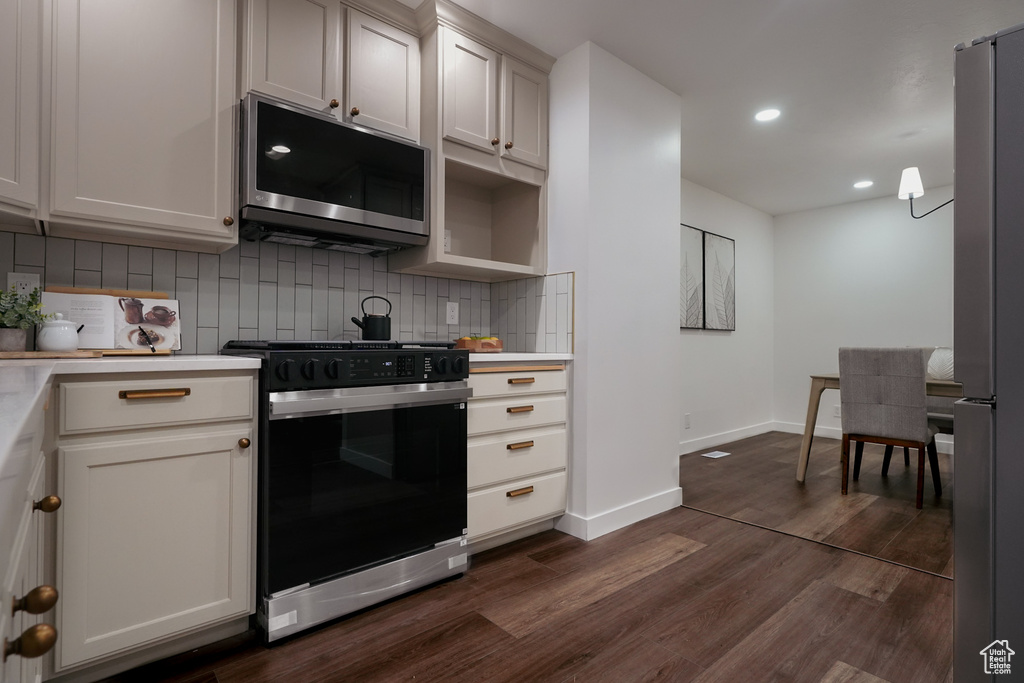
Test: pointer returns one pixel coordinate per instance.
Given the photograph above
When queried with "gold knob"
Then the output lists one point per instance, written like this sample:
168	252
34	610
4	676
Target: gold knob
354	111
36	641
243	443
48	504
508	145
334	104
495	141
228	220
38	600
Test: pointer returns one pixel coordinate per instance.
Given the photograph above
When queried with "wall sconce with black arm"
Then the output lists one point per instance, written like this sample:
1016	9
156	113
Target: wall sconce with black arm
911	186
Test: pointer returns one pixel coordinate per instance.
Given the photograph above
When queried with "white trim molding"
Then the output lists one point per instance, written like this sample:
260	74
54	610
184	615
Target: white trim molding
589	528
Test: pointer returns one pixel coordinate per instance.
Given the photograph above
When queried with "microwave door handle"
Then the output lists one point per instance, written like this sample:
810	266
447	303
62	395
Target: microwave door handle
304	404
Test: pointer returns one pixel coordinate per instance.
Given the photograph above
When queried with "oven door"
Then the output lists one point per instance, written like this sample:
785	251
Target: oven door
357	477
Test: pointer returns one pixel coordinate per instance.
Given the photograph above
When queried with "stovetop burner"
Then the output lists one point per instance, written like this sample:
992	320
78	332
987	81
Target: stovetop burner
312	345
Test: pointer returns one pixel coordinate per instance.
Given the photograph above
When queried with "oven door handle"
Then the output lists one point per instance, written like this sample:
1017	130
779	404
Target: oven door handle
292	404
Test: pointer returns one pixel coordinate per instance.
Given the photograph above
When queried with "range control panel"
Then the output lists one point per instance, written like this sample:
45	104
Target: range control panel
295	370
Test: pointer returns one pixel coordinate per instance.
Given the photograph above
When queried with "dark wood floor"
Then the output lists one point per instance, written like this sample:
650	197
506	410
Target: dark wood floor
757	483
683	596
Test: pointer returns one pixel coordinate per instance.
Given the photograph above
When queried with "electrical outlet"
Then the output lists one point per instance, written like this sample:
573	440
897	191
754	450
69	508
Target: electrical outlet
453	312
23	283
447	241
835	411
686	421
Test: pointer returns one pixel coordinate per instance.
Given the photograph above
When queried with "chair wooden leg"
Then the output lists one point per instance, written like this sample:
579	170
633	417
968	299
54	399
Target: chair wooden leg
856	460
845	461
885	461
906	457
920	477
933	462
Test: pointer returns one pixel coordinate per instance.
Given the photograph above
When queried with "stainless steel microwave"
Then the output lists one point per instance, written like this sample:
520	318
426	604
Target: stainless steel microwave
309	179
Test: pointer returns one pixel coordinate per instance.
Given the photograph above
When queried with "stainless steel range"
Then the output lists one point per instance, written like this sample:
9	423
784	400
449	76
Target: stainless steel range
362	474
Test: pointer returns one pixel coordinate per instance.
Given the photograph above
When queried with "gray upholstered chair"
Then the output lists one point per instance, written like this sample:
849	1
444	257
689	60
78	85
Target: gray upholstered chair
882	392
940	408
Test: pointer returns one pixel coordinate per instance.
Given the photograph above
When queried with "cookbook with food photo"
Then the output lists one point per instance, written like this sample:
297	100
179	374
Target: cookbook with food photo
119	322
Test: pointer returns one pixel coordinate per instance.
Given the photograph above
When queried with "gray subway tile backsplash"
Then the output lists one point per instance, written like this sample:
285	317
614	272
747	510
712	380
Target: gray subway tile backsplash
270	291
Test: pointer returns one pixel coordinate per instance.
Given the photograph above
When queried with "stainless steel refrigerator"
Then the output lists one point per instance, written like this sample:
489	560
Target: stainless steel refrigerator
988	340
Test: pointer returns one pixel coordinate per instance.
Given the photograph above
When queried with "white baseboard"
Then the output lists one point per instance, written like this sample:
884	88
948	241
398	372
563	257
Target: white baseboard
589	528
725	437
943	442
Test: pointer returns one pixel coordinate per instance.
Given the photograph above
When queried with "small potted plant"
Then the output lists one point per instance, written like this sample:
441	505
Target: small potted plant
18	313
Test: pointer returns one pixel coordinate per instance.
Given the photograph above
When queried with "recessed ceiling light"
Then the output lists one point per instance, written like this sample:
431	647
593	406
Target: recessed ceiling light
860	185
767	115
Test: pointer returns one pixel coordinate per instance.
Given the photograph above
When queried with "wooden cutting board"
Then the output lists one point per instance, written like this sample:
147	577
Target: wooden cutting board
12	355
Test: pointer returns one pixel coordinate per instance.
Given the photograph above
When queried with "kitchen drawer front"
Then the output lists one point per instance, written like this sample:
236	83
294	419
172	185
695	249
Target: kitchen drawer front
522	412
512	455
494	509
487	384
135	404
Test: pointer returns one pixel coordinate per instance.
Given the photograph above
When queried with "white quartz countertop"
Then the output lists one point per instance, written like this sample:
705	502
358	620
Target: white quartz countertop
503	357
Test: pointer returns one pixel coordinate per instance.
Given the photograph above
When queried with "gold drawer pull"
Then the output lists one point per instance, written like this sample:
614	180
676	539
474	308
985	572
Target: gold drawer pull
38	600
517	446
519	492
36	641
519	409
155	393
521	380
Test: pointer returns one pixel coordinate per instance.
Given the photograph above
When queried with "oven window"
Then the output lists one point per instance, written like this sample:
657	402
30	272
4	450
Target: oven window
348	491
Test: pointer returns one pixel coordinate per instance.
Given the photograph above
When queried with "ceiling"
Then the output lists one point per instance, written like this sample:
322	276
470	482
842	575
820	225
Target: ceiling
865	87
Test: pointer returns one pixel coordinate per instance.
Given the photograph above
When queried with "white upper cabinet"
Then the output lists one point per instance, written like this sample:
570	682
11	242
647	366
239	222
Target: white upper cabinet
470	92
509	119
301	52
524	113
19	107
143	119
383	76
292	50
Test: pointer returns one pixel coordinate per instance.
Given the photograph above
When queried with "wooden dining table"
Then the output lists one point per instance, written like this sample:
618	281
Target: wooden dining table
819	383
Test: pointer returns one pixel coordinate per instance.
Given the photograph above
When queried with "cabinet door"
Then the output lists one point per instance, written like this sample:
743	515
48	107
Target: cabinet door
19	104
143	118
524	113
470	92
383	77
153	538
293	52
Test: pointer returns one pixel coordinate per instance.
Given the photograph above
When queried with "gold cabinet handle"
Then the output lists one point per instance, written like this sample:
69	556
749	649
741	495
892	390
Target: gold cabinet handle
244	443
354	111
334	104
228	220
519	492
36	641
508	145
521	380
495	141
37	601
47	504
519	409
132	395
521	444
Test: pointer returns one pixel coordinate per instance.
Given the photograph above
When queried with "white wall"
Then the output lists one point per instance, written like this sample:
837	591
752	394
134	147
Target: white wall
614	220
861	274
726	379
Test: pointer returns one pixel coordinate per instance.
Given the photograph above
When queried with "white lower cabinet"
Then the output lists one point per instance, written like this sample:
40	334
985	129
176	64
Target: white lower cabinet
517	448
154	537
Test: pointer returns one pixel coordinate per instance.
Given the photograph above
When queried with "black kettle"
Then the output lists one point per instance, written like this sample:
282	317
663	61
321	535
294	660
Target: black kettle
374	326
